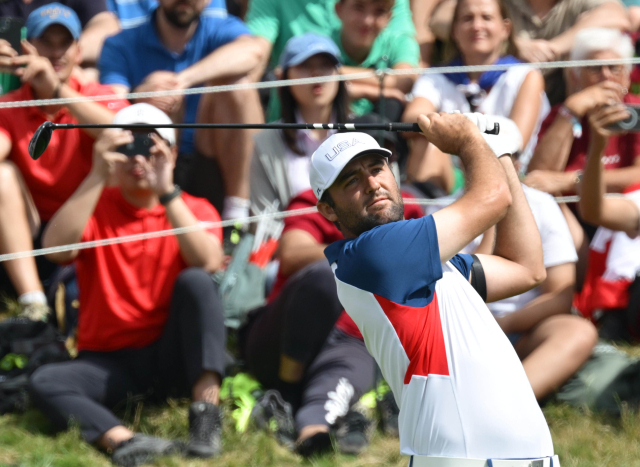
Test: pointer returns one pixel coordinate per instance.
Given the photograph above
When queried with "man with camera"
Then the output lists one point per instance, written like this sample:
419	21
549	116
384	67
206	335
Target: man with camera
150	321
32	191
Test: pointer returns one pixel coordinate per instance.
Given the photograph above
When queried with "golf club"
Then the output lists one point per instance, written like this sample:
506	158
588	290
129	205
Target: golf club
42	136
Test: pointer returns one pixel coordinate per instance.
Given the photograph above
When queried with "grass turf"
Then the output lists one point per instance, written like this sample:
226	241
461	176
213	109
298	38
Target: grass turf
581	439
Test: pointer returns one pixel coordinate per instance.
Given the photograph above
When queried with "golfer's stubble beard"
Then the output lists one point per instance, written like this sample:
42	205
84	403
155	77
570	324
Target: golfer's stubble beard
356	223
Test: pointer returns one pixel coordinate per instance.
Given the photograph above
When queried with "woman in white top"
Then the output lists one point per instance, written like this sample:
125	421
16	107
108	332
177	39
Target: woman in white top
280	165
481	34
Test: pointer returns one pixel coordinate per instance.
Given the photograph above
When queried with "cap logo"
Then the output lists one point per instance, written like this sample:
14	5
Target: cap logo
341	146
53	12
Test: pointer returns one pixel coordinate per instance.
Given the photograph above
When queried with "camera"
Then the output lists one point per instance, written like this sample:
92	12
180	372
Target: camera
141	144
632	123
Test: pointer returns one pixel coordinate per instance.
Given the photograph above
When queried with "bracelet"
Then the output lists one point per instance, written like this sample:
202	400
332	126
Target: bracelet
578	177
576	126
168	197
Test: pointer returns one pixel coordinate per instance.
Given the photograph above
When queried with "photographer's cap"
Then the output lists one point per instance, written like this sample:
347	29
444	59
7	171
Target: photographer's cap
53	13
335	153
148	114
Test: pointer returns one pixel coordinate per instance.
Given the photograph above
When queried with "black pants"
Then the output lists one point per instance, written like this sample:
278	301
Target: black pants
84	390
300	325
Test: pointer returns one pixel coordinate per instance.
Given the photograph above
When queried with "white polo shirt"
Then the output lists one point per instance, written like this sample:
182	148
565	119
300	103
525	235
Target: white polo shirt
460	386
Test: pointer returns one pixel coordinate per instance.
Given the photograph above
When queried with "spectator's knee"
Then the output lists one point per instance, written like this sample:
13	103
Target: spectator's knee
586	334
193	281
318	276
9	184
41	381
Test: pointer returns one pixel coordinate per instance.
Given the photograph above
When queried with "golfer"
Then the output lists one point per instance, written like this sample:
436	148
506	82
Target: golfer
464	398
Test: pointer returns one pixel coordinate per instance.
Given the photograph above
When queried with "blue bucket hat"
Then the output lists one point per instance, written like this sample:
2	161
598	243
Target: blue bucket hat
53	13
300	48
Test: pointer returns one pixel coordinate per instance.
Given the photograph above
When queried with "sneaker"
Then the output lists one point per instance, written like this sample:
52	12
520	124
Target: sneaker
272	413
141	449
315	445
205	430
36	311
352	432
388	411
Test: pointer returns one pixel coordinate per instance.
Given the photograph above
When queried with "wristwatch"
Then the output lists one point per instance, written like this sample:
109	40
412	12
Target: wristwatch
167	197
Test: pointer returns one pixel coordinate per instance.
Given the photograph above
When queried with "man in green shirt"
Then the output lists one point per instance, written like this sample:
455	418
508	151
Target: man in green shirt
379	34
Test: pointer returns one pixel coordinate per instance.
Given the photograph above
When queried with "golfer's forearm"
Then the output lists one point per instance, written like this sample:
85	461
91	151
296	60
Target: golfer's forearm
517	236
68	223
234	60
198	248
87	112
553	149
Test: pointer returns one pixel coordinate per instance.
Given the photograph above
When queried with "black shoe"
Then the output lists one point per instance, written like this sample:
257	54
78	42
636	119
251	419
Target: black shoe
141	449
205	430
388	411
315	445
352	432
272	413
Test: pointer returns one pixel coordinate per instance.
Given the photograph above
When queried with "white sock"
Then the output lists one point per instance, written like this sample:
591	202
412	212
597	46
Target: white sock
37	296
235	208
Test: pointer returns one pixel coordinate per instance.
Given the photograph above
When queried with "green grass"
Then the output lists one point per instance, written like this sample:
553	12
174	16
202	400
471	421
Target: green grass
581	439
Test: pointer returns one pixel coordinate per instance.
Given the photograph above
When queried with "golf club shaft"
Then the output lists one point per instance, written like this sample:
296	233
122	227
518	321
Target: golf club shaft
409	127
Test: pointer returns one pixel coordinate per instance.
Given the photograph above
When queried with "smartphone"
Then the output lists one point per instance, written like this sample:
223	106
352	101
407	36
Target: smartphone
141	144
13	31
632	123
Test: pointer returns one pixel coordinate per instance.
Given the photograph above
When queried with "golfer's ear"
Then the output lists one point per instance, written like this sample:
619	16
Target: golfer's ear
327	211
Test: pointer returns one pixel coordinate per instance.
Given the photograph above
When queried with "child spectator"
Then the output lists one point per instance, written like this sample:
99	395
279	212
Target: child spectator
614	253
559	159
96	22
280	165
366	42
32	191
552	344
480	34
179	47
150	318
292	345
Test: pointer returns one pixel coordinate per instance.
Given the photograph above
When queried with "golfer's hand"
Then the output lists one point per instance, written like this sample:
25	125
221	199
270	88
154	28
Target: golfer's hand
37	71
105	157
160	166
449	132
7	53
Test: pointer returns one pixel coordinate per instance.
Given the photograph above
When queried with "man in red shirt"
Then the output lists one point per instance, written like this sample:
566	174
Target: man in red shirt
305	346
560	157
32	191
150	317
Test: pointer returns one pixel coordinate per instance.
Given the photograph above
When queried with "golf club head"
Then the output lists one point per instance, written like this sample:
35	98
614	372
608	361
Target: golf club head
40	140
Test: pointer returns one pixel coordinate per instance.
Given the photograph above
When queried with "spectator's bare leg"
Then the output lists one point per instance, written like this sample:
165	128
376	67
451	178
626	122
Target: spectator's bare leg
15	233
207	388
232	149
554	350
428	163
113	437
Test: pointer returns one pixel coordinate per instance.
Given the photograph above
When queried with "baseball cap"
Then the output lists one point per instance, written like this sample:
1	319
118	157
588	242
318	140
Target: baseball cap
300	48
335	153
146	113
53	13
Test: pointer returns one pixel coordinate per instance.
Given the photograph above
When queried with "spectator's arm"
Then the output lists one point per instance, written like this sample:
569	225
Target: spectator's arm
69	222
607	15
556	298
263	20
93	35
526	107
553	149
5	146
400	82
517	261
634	17
87	112
612	213
422	10
418	106
233	60
297	249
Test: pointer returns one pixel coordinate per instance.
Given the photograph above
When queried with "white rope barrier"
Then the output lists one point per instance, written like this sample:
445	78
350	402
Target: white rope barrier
210	225
316	80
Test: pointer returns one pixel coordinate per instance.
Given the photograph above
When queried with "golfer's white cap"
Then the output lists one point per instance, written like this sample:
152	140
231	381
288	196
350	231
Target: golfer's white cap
146	113
335	153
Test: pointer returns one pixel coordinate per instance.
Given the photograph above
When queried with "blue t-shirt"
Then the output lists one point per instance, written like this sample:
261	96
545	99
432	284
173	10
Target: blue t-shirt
131	55
399	261
132	13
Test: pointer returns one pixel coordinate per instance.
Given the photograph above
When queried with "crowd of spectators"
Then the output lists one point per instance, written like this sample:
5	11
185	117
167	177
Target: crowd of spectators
151	320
